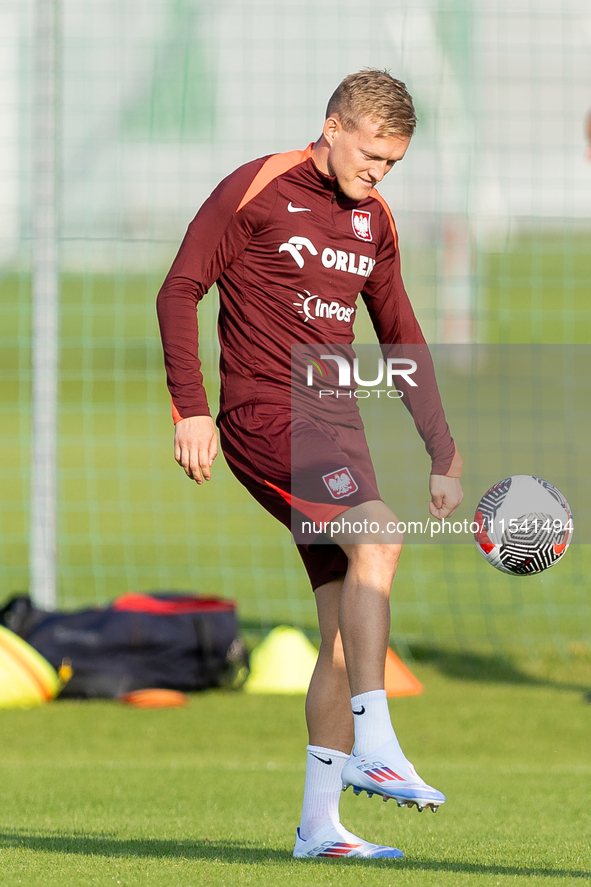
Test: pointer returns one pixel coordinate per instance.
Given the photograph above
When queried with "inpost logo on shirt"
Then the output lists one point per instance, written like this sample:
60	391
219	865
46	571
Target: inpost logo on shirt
313	307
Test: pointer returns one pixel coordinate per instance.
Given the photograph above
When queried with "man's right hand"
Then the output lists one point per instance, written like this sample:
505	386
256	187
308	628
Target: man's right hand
196	446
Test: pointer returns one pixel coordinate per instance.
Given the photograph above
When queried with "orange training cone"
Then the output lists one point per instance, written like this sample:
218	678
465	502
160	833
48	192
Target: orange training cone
398	679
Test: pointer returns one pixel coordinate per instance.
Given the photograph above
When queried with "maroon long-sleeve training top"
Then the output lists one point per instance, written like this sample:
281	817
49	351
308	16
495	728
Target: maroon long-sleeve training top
290	255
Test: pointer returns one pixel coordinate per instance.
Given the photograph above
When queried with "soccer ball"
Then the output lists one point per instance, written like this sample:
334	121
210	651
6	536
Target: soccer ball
524	524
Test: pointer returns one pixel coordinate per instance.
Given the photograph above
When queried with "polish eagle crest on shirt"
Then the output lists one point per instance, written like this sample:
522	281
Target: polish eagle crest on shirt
361	222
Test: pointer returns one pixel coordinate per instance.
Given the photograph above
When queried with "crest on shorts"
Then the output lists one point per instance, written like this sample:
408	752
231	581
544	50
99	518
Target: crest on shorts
340	483
361	222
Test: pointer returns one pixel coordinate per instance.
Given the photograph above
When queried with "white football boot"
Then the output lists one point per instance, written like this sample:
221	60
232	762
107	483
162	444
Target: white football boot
386	772
335	842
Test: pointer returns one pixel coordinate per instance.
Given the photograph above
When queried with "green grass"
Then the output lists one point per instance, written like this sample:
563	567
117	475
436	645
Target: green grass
99	794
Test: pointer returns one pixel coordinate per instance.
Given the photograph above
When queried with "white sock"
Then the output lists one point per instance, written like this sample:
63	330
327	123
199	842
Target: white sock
322	791
373	727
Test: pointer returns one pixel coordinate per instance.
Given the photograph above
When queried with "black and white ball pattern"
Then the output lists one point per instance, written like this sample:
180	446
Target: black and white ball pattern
525	525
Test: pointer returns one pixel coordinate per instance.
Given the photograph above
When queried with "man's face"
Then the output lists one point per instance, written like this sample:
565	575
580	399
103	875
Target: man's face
361	159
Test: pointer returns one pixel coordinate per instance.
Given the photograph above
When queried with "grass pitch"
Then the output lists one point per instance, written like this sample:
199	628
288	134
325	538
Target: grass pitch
99	794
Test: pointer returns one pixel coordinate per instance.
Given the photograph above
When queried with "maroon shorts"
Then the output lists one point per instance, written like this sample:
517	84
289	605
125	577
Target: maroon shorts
303	471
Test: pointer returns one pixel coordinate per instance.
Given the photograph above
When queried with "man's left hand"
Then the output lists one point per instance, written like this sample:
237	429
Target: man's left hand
446	495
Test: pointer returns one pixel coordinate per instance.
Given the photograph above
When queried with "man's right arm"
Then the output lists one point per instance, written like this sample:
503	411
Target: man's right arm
196	446
215	237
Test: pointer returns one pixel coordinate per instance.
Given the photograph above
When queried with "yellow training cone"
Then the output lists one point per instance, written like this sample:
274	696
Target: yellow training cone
398	679
26	678
282	663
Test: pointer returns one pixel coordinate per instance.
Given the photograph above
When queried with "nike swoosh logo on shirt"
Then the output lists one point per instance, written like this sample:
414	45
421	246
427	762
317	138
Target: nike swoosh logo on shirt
297	209
362	712
321	759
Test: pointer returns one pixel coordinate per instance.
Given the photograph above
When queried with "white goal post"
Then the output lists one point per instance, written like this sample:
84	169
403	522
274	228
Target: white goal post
45	307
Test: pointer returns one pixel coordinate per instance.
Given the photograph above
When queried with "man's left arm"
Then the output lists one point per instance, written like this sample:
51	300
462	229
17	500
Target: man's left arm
446	495
401	337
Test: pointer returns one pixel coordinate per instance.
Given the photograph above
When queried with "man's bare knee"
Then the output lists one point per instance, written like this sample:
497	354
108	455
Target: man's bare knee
373	559
371	523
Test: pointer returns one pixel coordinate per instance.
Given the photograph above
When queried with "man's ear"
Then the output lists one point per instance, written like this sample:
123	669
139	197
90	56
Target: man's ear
332	127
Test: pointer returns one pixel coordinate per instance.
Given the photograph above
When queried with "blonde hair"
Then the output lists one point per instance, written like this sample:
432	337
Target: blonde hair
374	95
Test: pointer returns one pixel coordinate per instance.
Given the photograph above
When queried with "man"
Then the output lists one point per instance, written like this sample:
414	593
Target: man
311	222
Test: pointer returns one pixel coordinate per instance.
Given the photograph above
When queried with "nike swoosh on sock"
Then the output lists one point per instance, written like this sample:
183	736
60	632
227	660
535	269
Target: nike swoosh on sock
321	759
362	712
